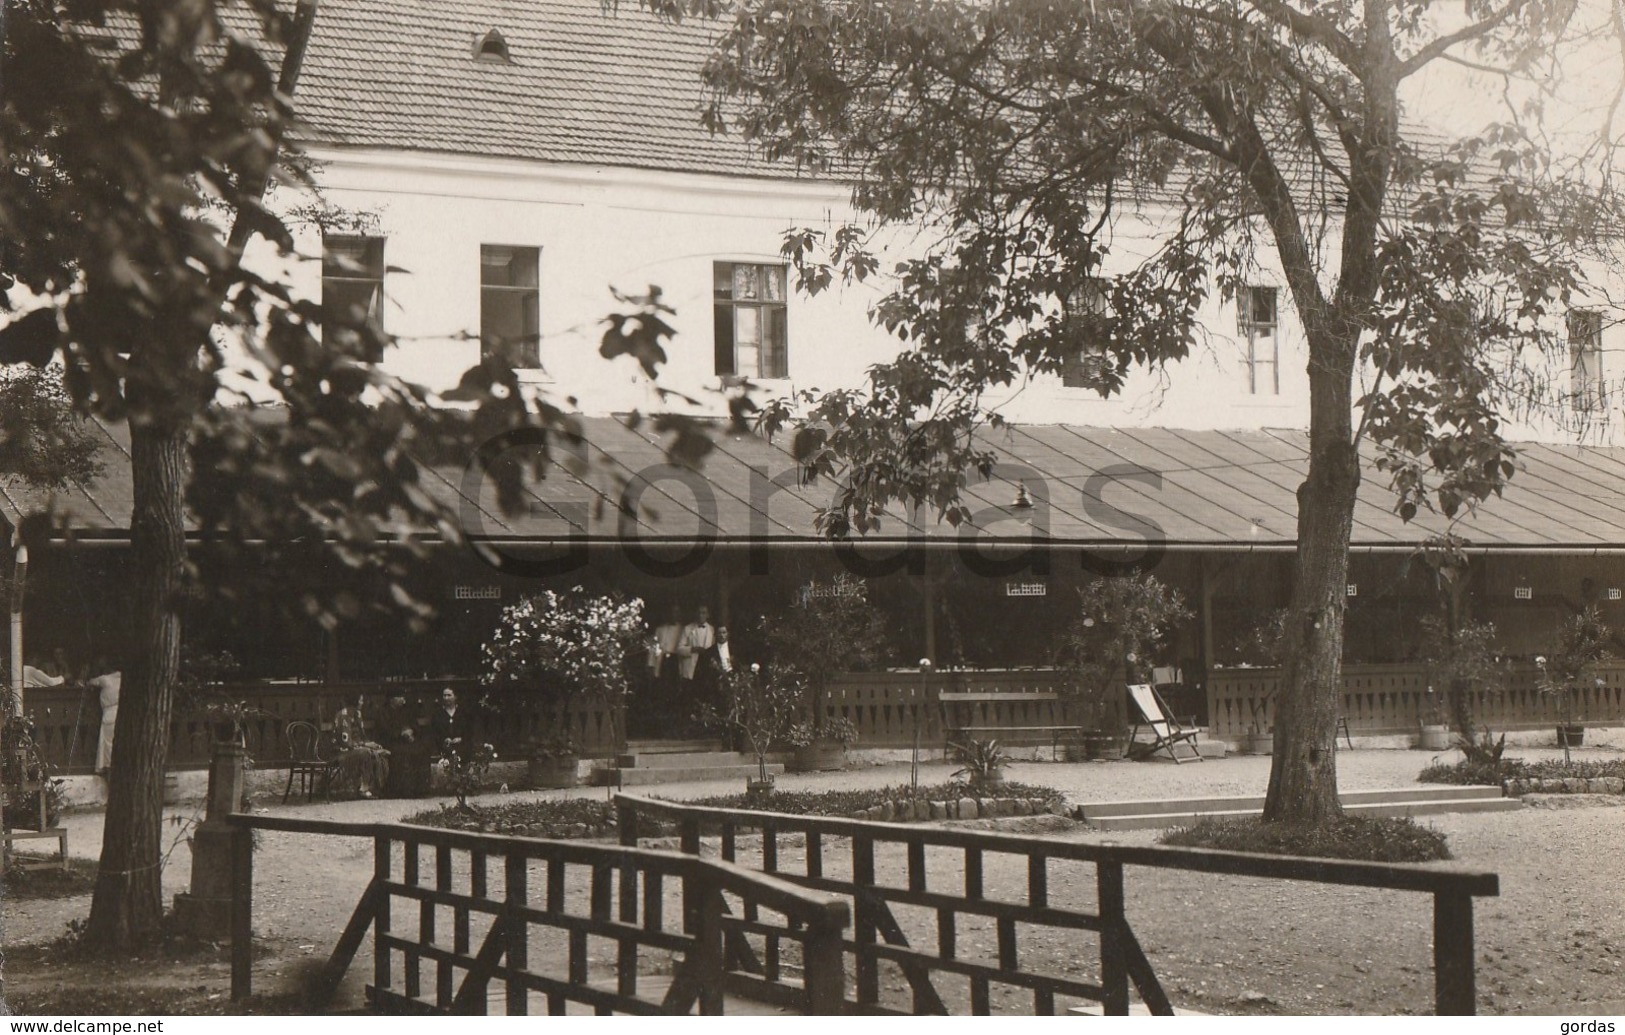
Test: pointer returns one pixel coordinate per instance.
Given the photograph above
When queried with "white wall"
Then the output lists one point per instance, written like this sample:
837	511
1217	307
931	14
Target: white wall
600	227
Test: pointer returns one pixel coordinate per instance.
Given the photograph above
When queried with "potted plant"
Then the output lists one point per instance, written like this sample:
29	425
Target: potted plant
1118	628
832	627
554	760
1581	648
33	799
981	764
1260	736
760	706
551	649
1434	732
821	752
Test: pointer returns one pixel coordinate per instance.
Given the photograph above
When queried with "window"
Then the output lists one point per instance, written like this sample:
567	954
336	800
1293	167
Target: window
492	47
748	306
510	305
353	279
1083	367
1585	358
1259	328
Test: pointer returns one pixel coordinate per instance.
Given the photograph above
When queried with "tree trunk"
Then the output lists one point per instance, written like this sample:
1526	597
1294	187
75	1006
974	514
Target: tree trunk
128	904
1303	773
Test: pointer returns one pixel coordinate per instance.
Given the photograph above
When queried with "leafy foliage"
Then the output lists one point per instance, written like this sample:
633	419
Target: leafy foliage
466	768
981	760
1255	138
561	645
140	136
42	440
594	814
762	705
1493	774
832	628
1119	626
1348	837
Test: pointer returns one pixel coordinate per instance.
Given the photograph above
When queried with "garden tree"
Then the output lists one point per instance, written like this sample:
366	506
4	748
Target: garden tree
554	647
833	627
1429	280
136	131
1118	627
43	441
1459	648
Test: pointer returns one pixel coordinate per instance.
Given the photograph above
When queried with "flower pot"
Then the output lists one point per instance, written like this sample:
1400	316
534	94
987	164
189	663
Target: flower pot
548	771
1101	745
1434	738
758	789
821	755
1261	743
1571	736
989	782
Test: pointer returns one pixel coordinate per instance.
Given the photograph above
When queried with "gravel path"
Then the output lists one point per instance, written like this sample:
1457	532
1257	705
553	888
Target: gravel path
1553	942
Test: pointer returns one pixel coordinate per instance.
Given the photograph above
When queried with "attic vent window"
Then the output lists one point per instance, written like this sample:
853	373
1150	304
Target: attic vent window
492	47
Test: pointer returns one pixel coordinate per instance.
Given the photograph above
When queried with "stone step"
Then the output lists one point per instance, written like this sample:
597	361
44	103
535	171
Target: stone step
670	747
1373	810
1244	802
674	774
680	759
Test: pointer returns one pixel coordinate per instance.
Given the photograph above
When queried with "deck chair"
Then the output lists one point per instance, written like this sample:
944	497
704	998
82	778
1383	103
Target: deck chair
1169	735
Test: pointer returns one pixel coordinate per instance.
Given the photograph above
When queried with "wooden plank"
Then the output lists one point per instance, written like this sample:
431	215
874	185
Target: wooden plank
473	994
516	930
1113	964
1454	991
242	914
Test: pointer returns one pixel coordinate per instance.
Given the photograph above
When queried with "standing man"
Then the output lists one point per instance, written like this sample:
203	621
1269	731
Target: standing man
698	639
107	686
663	648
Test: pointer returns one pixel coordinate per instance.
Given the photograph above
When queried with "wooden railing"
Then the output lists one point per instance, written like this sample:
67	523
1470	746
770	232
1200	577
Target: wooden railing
68	720
942	876
889	709
1393	699
510	911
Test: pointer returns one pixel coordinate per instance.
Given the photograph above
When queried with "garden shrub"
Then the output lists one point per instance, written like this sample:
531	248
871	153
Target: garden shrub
1350	837
1470	773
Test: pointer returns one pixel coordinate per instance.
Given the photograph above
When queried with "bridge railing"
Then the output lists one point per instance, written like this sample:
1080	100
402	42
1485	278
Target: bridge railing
532	916
941	878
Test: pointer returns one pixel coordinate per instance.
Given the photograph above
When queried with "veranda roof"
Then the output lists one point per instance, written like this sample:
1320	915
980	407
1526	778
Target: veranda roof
1089	486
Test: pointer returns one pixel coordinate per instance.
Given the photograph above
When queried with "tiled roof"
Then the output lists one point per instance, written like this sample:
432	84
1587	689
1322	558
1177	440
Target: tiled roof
586	84
1195	488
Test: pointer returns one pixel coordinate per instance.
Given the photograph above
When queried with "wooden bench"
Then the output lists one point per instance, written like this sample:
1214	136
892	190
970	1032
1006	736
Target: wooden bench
41	831
956	727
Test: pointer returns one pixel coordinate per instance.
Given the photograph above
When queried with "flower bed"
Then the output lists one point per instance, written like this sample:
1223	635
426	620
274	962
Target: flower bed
1548	776
580	817
1351	837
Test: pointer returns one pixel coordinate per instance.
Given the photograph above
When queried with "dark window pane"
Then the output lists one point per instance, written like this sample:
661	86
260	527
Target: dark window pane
723	318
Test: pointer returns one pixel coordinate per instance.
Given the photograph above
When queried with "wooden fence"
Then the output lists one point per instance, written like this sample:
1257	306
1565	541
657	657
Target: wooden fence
940	874
67	720
509	911
889	709
1396	699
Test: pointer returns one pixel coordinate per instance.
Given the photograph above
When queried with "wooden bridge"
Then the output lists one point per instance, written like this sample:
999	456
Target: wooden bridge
824	908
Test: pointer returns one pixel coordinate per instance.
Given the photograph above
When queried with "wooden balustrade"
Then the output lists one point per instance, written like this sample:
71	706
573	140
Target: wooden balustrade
1396	699
912	886
68	720
889	709
544	942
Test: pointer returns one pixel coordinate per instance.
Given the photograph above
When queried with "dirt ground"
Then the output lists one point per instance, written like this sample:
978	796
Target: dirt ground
1552	943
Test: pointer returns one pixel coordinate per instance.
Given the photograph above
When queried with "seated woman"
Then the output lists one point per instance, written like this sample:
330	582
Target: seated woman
363	762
